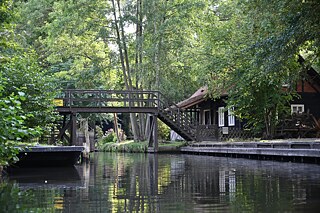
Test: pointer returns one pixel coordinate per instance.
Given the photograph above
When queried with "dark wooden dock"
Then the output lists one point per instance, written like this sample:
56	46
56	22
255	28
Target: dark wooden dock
49	156
295	151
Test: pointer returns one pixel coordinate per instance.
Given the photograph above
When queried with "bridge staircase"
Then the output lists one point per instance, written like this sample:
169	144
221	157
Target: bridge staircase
177	119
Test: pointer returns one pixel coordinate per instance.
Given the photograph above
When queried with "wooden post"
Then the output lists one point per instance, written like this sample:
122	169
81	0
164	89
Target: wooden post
150	135
115	122
153	136
73	129
155	133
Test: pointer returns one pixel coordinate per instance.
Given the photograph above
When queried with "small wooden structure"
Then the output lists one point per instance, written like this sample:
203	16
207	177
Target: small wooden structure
73	102
214	121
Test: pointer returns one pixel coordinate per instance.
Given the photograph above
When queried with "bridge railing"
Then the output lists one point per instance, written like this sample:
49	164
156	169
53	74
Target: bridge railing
181	116
109	98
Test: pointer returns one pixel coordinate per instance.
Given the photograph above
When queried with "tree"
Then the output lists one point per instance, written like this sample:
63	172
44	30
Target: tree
12	114
255	51
13	127
170	40
24	75
71	38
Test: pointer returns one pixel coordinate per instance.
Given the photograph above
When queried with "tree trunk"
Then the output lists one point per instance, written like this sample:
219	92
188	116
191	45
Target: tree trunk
156	56
124	63
138	63
115	122
269	119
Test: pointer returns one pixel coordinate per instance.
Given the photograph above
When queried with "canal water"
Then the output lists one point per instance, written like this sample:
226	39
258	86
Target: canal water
164	183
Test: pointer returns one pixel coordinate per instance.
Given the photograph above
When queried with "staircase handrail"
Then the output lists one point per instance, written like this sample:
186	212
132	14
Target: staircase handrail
190	121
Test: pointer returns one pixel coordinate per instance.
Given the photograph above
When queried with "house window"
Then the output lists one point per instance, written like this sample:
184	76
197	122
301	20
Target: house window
297	108
206	116
231	118
221	116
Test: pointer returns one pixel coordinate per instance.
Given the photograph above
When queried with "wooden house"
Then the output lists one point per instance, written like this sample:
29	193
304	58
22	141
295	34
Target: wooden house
216	122
305	109
308	89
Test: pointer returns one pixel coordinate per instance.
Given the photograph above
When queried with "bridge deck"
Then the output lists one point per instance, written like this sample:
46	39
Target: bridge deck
109	101
151	110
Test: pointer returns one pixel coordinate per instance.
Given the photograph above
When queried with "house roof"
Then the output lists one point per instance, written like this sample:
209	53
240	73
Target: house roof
312	73
197	97
194	99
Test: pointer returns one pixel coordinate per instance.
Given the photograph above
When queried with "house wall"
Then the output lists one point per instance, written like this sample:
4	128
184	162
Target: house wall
309	96
311	103
212	131
213	106
305	86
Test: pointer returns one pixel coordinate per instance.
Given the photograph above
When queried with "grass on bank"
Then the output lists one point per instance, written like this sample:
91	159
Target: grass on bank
131	146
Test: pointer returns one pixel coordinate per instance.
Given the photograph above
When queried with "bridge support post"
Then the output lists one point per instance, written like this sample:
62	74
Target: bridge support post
155	133
73	130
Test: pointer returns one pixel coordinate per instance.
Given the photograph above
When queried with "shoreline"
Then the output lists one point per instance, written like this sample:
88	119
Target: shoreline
293	150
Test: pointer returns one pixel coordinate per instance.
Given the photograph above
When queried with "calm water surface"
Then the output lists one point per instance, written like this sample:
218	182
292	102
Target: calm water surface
164	183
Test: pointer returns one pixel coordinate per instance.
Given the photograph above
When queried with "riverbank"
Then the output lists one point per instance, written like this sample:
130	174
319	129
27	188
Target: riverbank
295	150
141	147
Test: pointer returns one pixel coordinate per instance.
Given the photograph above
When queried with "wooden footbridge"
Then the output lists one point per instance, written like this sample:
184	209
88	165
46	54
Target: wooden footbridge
72	102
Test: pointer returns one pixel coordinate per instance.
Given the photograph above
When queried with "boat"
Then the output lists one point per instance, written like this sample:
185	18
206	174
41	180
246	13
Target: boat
53	156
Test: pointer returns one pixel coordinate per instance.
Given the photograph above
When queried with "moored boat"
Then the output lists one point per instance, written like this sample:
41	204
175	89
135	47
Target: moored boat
49	156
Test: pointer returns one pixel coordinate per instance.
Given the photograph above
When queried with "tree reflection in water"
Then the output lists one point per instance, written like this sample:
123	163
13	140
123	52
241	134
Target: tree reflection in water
167	183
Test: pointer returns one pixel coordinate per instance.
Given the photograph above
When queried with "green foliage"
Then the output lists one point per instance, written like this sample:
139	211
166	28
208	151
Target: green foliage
111	137
25	95
71	39
5	13
170	42
127	146
12	125
99	132
25	76
68	36
163	131
174	144
8	153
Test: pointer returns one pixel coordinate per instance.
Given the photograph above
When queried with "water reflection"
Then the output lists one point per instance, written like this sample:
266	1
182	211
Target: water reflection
51	177
166	183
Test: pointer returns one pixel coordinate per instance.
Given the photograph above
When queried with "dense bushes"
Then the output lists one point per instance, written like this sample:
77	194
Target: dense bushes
128	146
163	131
